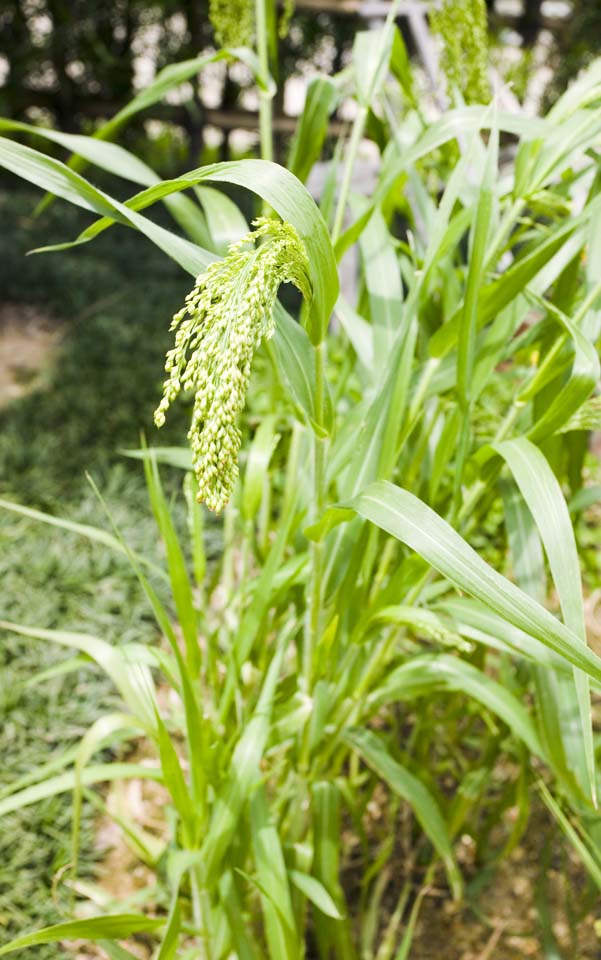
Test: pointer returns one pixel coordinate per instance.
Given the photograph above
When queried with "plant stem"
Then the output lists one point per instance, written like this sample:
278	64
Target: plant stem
201	909
351	157
315	597
319	443
265	111
480	487
319	478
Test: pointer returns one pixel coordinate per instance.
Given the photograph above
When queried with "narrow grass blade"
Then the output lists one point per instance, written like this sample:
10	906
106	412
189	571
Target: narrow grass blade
579	386
272	877
116	952
116	927
133	681
321	99
293	355
466	343
374	752
530	574
195	728
174	778
57	178
586	851
477	622
232	904
65	782
585	498
243	771
180	457
170	941
502	291
94	534
544	498
424	676
178	574
372	50
100	731
259	456
359	332
408	519
332	937
316	893
226	222
383	282
120	162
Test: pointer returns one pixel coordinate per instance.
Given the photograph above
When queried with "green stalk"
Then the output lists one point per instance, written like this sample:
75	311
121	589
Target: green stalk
265	109
351	157
351	711
201	910
319	483
480	487
319	445
353	149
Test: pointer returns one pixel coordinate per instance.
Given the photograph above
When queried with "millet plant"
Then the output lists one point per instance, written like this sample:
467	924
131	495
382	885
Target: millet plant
398	490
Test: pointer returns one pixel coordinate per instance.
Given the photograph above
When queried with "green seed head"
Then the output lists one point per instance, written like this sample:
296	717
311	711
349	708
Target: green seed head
463	28
232	21
225	318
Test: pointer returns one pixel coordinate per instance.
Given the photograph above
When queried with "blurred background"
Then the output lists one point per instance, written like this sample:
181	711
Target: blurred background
74	63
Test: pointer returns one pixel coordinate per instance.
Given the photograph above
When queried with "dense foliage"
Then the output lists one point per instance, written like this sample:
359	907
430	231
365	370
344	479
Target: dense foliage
398	609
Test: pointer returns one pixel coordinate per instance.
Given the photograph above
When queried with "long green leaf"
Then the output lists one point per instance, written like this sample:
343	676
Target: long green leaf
321	99
412	522
94	534
423	676
316	893
542	493
406	785
120	162
277	187
57	178
466	345
116	927
282	936
133	680
243	772
65	782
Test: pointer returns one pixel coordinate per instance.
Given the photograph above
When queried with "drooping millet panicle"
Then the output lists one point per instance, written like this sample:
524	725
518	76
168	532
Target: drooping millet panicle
462	24
233	22
225	318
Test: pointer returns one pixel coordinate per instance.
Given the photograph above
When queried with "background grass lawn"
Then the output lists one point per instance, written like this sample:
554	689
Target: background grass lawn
115	299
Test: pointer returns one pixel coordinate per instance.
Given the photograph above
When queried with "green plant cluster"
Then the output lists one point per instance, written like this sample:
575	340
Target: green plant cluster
391	653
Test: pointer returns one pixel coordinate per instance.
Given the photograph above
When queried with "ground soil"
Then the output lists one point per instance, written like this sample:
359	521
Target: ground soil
28	340
502	921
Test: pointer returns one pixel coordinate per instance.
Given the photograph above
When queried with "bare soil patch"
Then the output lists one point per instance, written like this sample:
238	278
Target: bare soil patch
29	339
